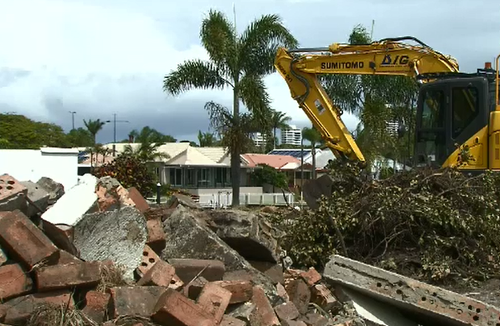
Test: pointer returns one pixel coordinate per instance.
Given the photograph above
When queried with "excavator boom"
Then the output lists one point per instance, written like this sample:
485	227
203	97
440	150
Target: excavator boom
300	67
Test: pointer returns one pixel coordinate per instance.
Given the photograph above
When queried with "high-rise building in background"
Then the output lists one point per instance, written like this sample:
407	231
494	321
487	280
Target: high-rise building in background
259	139
292	136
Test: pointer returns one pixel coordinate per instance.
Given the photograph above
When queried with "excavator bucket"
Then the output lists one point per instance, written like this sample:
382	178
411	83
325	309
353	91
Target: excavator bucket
313	189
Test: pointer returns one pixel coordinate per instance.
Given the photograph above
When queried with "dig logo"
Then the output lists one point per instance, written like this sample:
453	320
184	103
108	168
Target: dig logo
397	61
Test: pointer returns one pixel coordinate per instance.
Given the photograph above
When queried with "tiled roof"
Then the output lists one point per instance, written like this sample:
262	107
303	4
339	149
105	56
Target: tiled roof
192	156
216	154
275	161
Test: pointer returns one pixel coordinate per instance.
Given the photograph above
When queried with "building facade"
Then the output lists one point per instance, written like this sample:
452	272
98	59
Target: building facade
292	136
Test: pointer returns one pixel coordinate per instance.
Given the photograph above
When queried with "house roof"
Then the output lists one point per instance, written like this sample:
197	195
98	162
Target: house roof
275	161
295	152
216	154
193	156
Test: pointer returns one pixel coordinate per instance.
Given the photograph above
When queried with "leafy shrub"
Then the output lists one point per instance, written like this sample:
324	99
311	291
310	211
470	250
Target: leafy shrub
130	171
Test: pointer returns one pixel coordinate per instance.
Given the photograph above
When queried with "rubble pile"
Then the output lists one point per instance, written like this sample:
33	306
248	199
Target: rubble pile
97	254
439	226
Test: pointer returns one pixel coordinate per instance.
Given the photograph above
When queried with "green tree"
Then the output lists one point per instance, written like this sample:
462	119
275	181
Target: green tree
236	61
20	132
93	127
150	135
314	137
279	120
80	138
206	139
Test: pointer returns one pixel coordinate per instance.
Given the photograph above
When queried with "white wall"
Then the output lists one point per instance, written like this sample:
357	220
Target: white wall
59	164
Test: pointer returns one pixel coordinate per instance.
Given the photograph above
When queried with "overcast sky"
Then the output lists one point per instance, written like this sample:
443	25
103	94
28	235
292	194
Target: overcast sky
100	57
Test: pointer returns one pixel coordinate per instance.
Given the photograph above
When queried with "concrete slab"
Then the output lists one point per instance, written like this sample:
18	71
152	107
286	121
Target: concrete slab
38	195
420	302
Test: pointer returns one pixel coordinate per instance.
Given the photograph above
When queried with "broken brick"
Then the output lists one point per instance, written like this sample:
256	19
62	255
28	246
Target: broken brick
160	274
193	290
97	305
25	241
156	235
231	321
311	276
280	289
272	270
149	258
316	319
176	282
14	282
299	294
12	194
241	291
140	203
323	297
134	300
19	310
214	299
187	269
66	258
238	275
287	311
66	276
263	314
297	323
59	237
175	309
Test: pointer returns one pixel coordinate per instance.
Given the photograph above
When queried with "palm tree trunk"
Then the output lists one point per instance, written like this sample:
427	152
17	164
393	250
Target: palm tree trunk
274	138
313	153
235	152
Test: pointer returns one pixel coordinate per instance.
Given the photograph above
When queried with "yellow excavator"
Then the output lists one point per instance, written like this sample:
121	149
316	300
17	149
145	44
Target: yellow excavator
452	108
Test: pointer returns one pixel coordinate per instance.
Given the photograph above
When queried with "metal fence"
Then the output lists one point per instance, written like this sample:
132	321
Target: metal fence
224	199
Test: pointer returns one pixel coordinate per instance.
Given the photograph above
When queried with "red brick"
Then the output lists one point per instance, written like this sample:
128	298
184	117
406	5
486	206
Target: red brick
149	258
140	203
263	314
193	290
297	323
160	274
241	291
66	258
280	289
271	270
239	275
23	240
66	276
156	235
174	309
12	193
214	299
134	300
59	237
299	294
311	276
97	305
176	283
68	230
287	311
231	321
18	310
14	282
187	269
323	297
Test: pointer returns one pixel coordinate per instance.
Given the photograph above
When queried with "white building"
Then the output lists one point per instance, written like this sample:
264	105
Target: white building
292	136
259	139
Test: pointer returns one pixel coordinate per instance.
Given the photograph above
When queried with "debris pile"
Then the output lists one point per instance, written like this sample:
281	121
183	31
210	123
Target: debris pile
439	226
97	254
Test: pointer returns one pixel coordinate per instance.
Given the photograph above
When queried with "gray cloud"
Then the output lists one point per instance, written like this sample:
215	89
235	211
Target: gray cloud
98	58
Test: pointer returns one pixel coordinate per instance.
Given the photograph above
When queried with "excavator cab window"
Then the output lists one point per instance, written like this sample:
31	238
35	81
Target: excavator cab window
431	139
465	107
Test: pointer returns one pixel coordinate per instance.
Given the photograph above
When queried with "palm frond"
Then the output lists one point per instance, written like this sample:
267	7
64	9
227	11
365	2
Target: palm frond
194	74
253	94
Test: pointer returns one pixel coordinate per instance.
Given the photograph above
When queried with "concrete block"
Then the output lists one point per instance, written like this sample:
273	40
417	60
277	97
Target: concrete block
55	189
118	235
12	194
77	201
24	241
434	304
38	195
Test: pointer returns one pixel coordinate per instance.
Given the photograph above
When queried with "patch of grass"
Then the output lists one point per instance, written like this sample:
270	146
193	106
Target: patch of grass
54	315
111	276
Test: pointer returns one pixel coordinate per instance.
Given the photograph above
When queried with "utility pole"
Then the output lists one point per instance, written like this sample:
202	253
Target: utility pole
72	119
114	132
371	33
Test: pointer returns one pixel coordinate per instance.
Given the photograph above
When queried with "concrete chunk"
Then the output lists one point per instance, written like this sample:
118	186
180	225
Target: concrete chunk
423	301
118	235
55	189
38	195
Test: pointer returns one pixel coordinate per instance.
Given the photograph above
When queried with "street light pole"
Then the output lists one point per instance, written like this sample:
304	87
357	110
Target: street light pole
72	119
114	132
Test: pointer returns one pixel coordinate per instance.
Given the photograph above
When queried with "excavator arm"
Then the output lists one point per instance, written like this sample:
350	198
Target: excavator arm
300	67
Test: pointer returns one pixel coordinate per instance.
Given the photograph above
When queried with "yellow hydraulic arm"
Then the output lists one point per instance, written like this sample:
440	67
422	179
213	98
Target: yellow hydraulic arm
299	67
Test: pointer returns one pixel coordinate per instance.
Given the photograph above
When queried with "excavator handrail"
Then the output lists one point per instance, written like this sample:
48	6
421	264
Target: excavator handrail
300	67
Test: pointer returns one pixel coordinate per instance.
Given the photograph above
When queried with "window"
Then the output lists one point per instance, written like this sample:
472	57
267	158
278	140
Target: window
433	110
464	108
175	177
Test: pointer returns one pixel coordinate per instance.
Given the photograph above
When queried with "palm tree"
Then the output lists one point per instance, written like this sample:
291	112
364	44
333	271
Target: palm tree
314	137
206	139
236	61
279	120
93	127
151	135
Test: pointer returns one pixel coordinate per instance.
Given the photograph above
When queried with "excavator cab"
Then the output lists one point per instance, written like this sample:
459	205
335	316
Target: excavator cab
451	110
